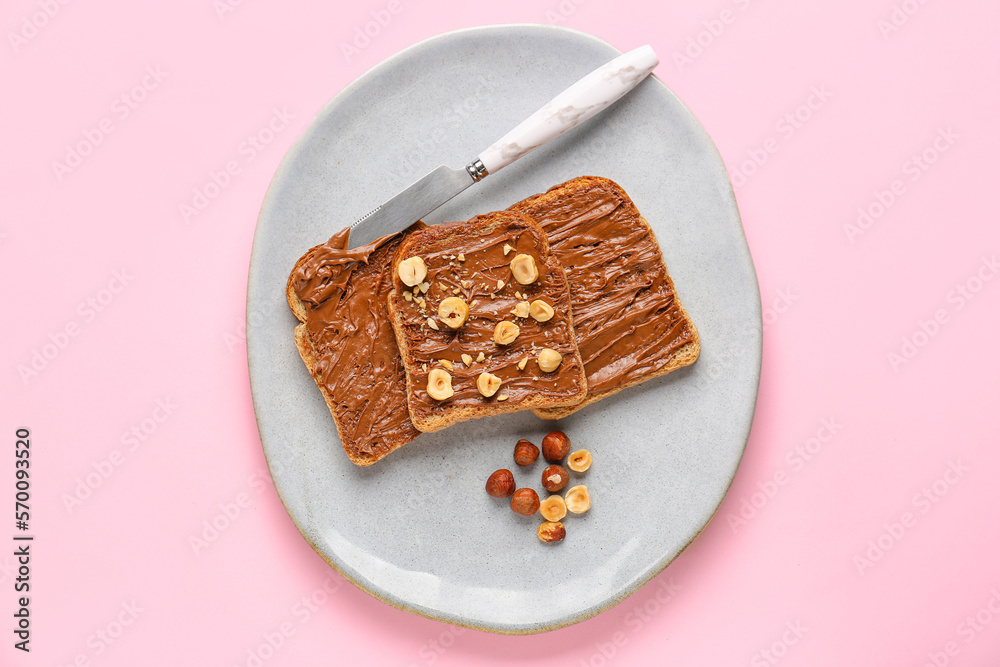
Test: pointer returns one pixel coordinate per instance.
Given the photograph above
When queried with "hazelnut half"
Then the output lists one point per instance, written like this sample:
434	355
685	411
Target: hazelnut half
522	309
500	484
439	384
578	499
453	311
488	384
505	332
555	478
524	501
551	531
541	311
549	359
524	269
555	446
412	271
525	453
579	461
553	508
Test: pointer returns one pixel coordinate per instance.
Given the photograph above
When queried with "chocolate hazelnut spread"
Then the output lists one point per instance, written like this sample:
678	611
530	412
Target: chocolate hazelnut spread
357	363
472	261
628	320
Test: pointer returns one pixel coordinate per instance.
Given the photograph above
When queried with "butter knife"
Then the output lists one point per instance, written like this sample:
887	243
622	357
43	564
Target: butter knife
581	101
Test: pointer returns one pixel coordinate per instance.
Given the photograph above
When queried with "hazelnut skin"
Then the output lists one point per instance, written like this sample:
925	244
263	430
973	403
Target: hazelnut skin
555	446
552	531
525	453
555	478
525	501
500	484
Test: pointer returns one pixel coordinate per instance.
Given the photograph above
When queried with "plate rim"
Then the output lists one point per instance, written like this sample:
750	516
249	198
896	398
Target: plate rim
280	175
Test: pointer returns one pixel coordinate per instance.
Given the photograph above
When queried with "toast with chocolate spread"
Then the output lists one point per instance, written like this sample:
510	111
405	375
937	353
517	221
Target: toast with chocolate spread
629	321
347	342
482	315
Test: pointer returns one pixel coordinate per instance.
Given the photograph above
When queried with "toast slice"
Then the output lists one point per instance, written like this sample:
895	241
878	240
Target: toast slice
630	324
346	340
474	263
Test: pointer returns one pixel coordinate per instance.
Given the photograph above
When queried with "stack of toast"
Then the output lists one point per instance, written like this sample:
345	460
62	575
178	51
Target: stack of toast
557	302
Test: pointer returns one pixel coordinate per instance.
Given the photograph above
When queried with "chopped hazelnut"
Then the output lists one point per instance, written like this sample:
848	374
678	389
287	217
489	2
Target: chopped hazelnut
488	384
467	359
551	531
432	324
579	461
549	359
553	508
522	309
453	311
505	332
541	311
578	499
524	269
412	271
439	384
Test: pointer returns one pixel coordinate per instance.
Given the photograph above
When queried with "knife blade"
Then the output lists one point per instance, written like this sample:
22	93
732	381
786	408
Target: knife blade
581	101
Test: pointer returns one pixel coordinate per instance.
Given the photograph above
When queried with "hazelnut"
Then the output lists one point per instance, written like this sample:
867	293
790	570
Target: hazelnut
525	453
488	384
524	501
453	311
540	311
500	484
579	461
555	478
439	384
412	271
507	248
551	531
555	446
549	359
524	269
578	499
467	359
553	508
505	332
522	309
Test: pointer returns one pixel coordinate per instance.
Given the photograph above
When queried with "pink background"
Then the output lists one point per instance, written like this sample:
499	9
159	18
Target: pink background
868	493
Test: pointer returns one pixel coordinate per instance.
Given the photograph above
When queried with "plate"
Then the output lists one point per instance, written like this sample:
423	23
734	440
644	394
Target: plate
416	529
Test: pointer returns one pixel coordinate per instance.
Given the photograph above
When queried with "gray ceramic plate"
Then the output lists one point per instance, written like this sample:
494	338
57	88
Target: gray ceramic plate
416	529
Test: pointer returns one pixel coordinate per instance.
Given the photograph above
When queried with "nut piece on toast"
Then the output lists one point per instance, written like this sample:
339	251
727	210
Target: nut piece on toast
486	350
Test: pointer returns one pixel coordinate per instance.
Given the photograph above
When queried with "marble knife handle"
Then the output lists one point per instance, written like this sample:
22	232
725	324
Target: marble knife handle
581	101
